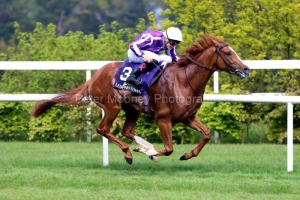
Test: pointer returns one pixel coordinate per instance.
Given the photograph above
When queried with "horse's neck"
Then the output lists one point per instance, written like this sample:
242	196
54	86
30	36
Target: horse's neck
198	77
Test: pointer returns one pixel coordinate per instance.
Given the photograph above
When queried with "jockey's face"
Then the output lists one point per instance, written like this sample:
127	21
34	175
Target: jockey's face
170	44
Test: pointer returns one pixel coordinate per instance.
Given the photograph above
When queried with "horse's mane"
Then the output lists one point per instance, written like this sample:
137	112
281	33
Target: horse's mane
197	48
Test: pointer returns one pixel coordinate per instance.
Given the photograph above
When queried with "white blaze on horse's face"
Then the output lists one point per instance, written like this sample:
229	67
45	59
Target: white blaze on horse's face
235	53
232	63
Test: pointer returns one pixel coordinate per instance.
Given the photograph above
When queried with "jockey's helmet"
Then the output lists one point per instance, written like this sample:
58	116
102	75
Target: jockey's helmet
173	33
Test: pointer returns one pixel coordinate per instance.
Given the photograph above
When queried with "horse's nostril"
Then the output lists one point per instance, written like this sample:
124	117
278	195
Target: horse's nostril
247	69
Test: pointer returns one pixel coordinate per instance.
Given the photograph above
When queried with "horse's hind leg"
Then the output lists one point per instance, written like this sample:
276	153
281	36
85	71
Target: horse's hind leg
128	130
104	130
130	122
195	124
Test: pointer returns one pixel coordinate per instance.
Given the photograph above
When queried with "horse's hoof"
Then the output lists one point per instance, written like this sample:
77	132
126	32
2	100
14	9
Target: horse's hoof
183	156
128	160
154	158
137	148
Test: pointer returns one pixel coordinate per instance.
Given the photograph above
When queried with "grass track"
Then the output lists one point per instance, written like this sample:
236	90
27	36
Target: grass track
75	171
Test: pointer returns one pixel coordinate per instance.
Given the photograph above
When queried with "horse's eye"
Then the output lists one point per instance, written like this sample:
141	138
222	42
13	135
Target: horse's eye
227	53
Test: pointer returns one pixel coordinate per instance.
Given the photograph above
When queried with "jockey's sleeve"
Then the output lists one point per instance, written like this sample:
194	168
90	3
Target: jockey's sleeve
135	46
172	53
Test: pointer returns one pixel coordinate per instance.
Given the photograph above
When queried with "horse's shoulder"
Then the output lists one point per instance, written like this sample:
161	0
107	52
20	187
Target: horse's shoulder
173	68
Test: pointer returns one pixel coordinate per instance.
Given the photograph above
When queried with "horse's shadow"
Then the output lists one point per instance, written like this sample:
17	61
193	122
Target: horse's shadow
172	165
144	167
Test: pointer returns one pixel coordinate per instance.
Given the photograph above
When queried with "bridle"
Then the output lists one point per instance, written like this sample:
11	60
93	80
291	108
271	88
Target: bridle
230	68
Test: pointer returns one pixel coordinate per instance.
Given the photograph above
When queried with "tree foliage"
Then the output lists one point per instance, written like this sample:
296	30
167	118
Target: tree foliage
13	121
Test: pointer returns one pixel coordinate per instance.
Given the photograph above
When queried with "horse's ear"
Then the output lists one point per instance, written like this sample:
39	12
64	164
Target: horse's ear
214	41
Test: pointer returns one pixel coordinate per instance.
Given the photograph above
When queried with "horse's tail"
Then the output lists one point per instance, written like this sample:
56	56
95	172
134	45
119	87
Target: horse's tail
76	96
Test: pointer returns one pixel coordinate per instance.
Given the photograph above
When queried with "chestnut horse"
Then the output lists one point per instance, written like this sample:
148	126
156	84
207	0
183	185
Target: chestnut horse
173	101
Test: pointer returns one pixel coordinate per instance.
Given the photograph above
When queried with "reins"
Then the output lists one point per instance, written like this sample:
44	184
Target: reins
200	65
203	66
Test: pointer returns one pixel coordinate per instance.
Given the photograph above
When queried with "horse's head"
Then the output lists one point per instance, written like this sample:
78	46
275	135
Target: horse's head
228	60
213	54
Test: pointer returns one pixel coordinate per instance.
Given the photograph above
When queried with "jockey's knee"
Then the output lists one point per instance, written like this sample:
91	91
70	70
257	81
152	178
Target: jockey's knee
165	58
154	56
168	60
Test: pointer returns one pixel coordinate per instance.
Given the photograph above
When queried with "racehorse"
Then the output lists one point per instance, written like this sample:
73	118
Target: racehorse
174	98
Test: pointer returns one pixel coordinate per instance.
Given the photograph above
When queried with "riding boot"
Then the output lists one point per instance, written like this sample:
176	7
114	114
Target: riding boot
132	78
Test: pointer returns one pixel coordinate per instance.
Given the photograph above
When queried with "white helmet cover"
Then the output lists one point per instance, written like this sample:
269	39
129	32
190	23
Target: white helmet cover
173	33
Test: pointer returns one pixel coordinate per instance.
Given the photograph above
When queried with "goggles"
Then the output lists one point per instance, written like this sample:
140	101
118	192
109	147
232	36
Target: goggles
173	42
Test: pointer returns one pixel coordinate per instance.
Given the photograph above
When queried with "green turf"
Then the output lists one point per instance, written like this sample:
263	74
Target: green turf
75	171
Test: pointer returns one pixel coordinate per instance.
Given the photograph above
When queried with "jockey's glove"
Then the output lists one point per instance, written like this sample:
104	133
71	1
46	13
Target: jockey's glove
147	58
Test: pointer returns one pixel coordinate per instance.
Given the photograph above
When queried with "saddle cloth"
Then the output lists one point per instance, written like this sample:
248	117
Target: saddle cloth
147	78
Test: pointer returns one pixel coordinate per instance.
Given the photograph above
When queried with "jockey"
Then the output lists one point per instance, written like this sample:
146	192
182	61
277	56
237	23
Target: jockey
146	47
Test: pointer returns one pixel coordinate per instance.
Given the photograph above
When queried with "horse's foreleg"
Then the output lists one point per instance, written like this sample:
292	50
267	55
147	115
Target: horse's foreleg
104	130
165	127
195	124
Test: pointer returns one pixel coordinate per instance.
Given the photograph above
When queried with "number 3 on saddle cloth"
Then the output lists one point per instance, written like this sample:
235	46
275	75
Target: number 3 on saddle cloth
149	75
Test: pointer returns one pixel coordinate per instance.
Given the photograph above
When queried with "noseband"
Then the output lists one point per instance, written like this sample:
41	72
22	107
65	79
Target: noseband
230	69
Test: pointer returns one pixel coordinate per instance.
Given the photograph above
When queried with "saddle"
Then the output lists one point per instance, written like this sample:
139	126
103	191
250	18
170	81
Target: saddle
152	71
